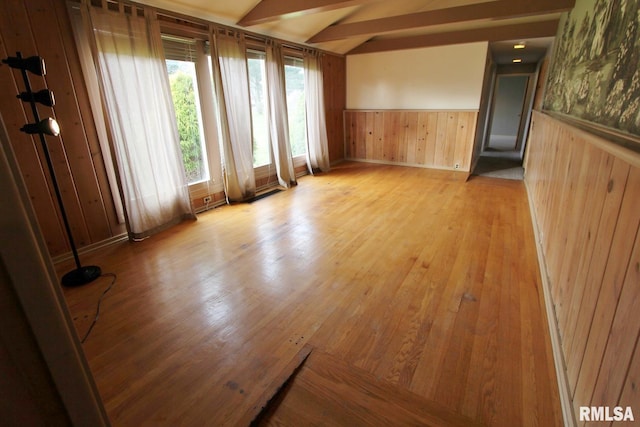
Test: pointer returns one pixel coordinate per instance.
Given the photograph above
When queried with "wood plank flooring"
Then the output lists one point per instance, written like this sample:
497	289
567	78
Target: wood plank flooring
426	283
328	391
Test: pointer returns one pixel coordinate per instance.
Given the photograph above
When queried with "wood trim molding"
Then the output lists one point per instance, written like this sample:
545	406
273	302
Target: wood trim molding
272	10
409	110
490	34
494	10
91	248
622	145
455	174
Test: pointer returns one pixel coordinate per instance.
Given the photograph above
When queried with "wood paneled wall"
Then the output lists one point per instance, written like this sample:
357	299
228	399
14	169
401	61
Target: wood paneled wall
334	71
41	27
434	139
585	196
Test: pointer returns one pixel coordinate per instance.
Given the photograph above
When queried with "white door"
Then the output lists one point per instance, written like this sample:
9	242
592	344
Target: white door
507	112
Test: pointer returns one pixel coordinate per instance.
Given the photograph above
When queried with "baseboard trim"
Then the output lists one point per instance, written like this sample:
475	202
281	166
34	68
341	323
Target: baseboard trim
90	248
337	162
413	165
566	402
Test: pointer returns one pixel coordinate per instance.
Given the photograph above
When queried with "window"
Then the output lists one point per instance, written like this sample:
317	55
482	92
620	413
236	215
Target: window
294	80
181	69
258	94
197	125
185	93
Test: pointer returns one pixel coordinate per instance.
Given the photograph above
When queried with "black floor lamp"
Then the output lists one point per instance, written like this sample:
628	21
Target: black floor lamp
35	64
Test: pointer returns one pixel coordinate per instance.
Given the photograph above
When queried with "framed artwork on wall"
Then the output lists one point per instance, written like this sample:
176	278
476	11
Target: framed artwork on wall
595	70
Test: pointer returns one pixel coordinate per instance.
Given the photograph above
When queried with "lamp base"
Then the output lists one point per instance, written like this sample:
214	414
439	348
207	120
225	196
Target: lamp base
81	276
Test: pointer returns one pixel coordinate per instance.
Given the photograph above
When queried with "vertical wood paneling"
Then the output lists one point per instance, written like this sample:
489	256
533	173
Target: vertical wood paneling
589	269
435	139
334	72
85	118
389	136
82	199
451	137
41	27
421	139
369	140
465	132
432	138
350	136
401	147
16	36
609	240
631	392
378	136
585	194
411	137
599	338
441	137
360	129
571	232
623	334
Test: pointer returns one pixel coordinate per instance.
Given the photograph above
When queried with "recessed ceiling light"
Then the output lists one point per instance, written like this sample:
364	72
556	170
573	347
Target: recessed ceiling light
517	60
520	45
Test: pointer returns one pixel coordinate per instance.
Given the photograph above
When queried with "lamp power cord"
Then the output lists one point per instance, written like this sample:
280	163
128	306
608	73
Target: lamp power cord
95	318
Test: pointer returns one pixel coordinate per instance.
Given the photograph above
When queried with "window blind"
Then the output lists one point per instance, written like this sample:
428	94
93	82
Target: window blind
293	62
179	48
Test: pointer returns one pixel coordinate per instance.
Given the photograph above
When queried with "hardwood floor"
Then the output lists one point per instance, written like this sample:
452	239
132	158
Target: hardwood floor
415	281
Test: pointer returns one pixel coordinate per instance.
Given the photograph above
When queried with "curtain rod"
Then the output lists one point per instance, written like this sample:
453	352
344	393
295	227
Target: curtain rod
201	26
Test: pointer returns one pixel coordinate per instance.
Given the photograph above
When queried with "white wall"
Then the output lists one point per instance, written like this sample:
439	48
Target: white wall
435	78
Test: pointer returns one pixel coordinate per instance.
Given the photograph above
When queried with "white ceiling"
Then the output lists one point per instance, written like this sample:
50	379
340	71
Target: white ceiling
306	18
536	48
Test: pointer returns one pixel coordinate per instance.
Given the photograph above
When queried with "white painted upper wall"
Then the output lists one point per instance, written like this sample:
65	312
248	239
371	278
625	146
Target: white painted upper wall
434	78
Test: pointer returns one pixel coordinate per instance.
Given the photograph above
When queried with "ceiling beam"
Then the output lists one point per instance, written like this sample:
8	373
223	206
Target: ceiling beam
272	10
491	34
501	9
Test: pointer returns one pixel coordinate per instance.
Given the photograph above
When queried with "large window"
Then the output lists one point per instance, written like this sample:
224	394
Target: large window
184	91
258	94
294	80
184	66
181	68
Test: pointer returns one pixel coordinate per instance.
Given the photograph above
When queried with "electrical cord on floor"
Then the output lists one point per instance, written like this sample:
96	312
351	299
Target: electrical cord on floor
95	319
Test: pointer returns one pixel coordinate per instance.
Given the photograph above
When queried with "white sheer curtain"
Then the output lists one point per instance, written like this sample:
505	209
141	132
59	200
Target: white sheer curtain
132	73
209	113
83	45
277	114
229	62
317	142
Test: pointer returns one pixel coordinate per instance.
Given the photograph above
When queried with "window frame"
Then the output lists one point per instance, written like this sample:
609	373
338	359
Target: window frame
214	184
301	159
263	171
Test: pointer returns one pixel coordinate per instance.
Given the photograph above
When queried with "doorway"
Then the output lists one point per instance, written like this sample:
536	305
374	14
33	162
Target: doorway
507	113
509	92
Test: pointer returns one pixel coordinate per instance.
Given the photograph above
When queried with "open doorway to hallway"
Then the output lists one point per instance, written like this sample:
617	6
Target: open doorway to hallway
501	155
511	90
508	114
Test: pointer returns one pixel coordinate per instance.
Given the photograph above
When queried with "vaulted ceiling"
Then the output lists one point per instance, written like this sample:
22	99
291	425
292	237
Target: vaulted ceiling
361	26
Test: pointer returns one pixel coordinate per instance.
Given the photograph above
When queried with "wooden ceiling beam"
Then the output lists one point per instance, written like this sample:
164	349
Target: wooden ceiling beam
501	9
490	34
272	10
